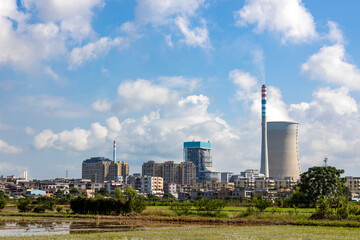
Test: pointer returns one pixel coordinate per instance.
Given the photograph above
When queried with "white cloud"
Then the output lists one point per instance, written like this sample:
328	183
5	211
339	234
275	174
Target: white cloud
76	139
92	50
179	82
196	37
245	80
74	17
43	30
169	41
335	34
99	131
330	64
7	148
101	105
329	126
289	18
29	130
159	12
172	14
139	94
114	124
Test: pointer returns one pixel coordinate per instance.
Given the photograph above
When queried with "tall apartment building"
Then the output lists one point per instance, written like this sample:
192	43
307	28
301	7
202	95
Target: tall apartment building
100	169
179	173
199	154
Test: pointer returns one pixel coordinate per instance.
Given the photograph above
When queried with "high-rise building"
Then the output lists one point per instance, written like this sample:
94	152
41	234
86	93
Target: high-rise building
100	169
283	150
199	154
179	173
264	168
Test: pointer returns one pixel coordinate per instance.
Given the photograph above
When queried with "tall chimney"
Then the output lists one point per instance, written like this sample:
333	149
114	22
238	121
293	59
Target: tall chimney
264	149
114	152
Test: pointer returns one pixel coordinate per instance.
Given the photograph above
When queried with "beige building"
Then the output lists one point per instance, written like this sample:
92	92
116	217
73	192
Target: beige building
353	183
99	169
255	183
180	173
152	185
213	185
287	183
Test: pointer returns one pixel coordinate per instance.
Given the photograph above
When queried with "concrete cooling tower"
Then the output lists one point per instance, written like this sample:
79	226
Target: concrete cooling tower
283	153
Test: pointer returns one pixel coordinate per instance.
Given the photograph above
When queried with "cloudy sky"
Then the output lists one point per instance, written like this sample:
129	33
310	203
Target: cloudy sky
75	75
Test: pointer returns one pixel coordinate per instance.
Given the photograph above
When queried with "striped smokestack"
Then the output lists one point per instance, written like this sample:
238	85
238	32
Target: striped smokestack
114	152
264	149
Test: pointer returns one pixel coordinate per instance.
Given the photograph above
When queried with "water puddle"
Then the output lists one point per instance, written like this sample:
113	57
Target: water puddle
51	228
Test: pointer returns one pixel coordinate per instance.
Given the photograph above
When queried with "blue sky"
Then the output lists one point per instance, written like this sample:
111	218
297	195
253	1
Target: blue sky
74	75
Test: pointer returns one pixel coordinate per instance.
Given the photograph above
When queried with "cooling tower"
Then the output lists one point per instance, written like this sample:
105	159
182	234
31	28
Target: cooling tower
283	151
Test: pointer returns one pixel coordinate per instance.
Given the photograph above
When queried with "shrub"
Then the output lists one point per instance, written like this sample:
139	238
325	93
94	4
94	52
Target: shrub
106	206
59	209
2	203
180	208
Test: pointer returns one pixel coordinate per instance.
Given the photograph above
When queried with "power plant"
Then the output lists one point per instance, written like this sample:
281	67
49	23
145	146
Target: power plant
283	150
279	146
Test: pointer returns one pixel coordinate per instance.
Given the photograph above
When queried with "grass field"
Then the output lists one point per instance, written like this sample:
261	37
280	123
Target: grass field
223	232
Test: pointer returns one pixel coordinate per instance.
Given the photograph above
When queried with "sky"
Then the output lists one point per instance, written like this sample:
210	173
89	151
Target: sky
151	74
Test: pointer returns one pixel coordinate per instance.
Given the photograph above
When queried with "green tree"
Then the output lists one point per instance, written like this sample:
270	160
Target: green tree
73	191
169	196
261	204
118	193
103	191
130	193
321	181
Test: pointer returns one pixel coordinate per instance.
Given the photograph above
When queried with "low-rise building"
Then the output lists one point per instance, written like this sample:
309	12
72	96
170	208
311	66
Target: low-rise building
152	185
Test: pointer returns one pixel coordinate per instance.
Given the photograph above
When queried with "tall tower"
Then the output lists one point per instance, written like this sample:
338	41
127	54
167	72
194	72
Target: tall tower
264	149
114	152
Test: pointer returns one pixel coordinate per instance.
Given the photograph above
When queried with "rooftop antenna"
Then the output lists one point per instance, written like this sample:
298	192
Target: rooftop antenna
67	174
325	161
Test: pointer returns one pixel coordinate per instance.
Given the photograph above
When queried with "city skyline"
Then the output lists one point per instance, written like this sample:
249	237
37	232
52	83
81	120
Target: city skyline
77	75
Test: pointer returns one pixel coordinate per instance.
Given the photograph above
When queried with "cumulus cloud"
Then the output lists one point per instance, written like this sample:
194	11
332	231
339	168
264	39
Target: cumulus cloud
113	124
74	17
331	64
77	139
101	105
140	94
288	18
37	31
158	133
329	126
7	148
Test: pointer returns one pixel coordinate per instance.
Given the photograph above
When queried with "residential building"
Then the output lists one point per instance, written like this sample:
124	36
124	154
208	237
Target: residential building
180	173
152	185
